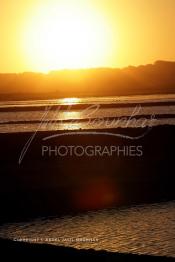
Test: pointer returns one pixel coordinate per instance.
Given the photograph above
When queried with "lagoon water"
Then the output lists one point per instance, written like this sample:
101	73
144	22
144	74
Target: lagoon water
16	116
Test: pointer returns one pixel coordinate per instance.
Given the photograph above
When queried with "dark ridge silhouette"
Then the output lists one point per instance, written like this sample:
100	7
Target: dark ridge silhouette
149	79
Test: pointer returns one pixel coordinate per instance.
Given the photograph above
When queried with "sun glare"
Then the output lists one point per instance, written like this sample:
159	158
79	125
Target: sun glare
71	100
59	36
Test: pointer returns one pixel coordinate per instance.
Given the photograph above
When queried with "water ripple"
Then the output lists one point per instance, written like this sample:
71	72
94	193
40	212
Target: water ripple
144	229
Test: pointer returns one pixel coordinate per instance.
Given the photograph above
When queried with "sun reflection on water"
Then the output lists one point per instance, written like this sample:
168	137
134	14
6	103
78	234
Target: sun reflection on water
71	101
68	114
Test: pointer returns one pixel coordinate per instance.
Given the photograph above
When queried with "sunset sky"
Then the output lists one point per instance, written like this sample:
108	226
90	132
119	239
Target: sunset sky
44	35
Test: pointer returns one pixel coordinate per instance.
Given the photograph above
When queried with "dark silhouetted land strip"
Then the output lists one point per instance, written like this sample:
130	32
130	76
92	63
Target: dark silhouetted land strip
43	185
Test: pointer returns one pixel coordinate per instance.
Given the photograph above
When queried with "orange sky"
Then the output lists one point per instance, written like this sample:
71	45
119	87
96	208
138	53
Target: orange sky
106	33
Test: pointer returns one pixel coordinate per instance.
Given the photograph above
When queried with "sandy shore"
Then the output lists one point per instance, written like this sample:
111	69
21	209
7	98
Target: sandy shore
43	185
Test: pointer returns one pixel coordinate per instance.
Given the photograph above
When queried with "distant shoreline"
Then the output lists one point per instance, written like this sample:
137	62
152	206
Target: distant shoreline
55	96
156	78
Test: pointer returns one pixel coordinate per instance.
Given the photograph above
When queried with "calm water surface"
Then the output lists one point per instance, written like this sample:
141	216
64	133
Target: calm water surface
90	117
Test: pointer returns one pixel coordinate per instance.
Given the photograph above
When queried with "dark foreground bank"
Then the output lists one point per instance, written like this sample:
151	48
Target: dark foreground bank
19	250
43	185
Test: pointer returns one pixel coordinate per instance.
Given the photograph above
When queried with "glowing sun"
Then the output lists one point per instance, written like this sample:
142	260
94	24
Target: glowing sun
59	36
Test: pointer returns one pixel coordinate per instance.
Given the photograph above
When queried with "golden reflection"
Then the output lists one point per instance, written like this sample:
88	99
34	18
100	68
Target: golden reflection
71	101
73	126
71	118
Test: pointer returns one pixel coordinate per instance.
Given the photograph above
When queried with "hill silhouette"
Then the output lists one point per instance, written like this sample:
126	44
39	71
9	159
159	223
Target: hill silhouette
148	79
